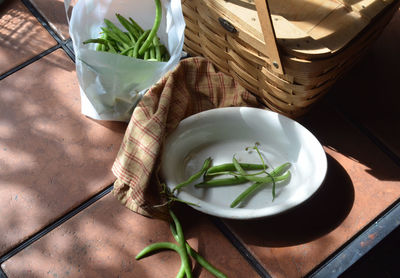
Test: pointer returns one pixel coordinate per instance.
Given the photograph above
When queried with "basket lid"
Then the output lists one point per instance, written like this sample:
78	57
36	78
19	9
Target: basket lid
307	28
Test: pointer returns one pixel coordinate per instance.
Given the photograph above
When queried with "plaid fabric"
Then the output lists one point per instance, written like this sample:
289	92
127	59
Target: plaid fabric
194	86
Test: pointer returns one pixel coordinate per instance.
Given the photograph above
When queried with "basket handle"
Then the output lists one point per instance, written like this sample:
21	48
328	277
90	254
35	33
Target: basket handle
269	34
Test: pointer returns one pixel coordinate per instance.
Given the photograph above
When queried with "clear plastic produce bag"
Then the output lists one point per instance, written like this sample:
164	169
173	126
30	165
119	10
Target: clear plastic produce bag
112	84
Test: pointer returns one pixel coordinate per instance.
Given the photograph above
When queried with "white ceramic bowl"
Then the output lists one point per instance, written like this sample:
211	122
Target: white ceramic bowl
220	133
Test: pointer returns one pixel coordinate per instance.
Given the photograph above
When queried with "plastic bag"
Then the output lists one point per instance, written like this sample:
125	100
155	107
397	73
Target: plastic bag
112	84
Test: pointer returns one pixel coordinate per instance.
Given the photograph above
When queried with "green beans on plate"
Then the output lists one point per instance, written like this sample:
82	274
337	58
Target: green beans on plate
238	173
194	177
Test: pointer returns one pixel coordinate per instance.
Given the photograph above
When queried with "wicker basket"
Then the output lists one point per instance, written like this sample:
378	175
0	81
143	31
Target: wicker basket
310	43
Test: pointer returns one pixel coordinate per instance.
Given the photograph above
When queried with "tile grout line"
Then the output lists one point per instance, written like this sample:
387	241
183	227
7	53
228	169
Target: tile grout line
62	43
69	51
392	213
30	61
240	247
2	273
223	228
55	224
350	253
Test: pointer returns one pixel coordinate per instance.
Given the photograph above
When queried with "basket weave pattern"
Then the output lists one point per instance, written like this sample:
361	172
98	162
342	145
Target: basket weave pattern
305	79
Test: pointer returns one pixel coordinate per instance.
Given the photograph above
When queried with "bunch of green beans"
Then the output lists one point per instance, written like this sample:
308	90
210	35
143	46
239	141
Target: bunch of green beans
134	41
183	249
239	174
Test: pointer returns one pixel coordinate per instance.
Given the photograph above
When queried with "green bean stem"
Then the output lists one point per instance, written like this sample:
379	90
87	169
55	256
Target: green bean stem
154	29
197	175
257	185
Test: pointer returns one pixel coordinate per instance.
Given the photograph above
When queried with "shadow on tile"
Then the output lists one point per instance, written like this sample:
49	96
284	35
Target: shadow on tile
22	37
336	133
115	126
316	217
54	13
51	158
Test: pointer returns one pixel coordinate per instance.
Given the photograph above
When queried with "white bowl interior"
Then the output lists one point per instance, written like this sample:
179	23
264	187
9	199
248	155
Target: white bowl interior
224	132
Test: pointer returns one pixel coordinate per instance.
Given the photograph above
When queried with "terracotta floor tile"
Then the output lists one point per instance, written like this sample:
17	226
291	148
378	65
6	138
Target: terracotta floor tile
22	37
371	92
54	12
52	158
103	240
361	182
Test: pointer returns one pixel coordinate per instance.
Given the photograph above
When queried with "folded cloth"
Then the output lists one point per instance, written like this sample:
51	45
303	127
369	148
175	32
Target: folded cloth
194	86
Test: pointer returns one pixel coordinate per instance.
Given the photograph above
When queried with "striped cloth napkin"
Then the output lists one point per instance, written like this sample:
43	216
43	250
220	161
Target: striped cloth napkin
194	86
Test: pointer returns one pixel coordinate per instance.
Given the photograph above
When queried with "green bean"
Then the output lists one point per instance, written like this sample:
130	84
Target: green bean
156	247
255	186
227	167
154	29
113	36
202	261
181	273
251	177
194	177
128	26
152	53
156	43
222	182
131	37
117	31
105	46
110	47
99	45
139	42
146	55
99	41
137	26
278	171
245	194
181	242
126	51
